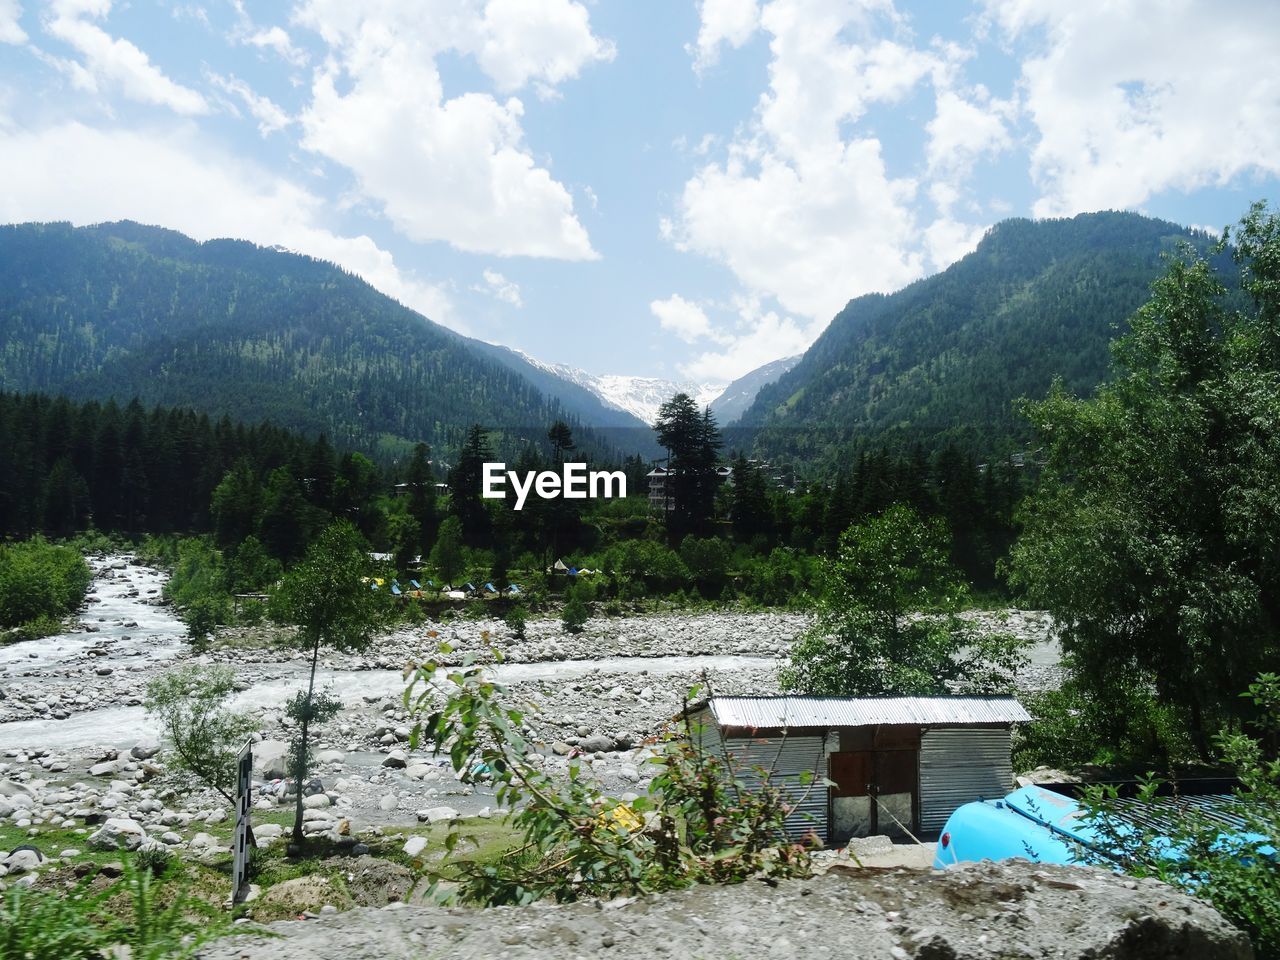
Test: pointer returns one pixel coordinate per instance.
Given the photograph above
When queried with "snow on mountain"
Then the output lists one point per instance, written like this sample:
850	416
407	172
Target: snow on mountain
639	396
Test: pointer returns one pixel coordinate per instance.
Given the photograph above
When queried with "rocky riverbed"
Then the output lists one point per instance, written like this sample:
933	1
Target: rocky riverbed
77	747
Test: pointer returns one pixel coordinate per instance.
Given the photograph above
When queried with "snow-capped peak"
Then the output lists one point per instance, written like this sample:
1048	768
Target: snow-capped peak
639	396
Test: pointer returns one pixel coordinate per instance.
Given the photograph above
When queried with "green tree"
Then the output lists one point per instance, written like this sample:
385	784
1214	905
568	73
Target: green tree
708	563
466	486
446	556
235	505
1152	538
422	495
692	441
328	597
204	735
887	619
575	614
404	535
749	502
282	527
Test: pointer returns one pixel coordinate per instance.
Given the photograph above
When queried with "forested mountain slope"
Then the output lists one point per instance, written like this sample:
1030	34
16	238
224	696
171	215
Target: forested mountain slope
230	328
945	358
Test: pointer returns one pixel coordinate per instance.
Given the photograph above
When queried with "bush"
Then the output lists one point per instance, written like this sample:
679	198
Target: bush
516	621
155	859
699	824
1236	871
39	580
83	925
575	614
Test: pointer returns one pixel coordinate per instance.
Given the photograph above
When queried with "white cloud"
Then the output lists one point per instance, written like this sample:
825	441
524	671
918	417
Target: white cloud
454	169
760	337
269	115
111	62
803	208
723	21
961	131
547	42
1131	99
10	30
278	41
171	178
686	320
500	288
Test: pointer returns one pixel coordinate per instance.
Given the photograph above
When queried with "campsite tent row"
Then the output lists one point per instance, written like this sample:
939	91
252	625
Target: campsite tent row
417	590
560	568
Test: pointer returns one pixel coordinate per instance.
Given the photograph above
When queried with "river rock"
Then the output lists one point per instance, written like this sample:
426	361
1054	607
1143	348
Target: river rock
437	815
23	859
597	744
269	760
414	846
396	759
145	749
118	833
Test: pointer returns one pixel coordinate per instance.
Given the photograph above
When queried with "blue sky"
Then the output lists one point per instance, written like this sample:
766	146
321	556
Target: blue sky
678	188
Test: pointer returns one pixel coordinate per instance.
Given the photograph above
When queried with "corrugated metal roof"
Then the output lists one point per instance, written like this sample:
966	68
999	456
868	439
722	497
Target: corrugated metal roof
769	712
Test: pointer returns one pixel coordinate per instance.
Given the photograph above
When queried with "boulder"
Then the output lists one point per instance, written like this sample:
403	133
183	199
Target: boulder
396	759
437	815
145	749
597	744
975	912
269	760
414	846
23	859
118	833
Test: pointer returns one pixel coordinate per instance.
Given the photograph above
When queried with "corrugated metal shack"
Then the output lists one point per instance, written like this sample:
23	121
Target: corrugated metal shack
897	763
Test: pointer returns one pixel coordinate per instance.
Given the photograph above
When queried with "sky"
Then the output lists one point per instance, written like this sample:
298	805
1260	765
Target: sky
676	188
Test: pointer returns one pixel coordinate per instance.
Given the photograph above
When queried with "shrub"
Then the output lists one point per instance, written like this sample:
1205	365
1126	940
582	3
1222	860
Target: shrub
575	614
40	580
516	621
1236	871
699	823
190	704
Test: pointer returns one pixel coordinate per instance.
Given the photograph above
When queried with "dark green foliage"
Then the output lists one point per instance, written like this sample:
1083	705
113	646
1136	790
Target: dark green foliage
65	466
446	556
202	620
575	614
40	582
516	620
1152	539
887	619
328	597
708	563
466	487
1236	871
232	329
945	358
692	441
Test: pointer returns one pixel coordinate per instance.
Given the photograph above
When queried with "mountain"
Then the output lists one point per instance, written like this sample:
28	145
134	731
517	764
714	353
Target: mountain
737	396
230	328
639	397
946	358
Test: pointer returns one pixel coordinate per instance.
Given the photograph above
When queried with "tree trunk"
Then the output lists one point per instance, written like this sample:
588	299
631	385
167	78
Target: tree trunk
300	771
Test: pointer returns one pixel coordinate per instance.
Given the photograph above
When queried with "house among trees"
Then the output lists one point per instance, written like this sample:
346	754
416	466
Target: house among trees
898	764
